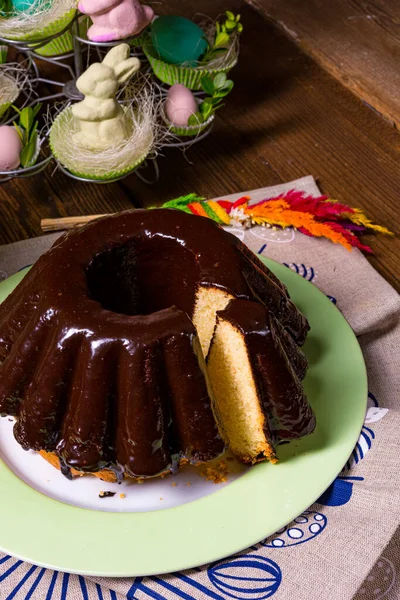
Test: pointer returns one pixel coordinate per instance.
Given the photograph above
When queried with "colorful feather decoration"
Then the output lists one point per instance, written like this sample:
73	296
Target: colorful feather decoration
316	216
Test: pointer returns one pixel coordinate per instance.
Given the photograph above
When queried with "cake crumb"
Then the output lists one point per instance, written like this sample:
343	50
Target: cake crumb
174	484
122	496
106	494
188	484
217	474
140	481
161	498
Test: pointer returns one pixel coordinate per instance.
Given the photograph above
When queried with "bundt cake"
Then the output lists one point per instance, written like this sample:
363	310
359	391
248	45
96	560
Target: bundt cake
256	369
102	347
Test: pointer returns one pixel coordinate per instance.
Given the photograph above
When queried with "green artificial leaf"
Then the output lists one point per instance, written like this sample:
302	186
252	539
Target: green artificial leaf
228	86
238	18
205	106
27	156
230	25
219	81
34	129
20	132
207	84
36	109
240	27
26	119
220	94
222	39
195	119
230	15
223	28
217	28
206	109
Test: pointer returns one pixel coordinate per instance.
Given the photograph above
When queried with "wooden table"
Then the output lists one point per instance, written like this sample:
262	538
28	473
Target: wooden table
287	117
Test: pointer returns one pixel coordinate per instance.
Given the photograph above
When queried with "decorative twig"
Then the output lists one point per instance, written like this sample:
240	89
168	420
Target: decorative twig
65	223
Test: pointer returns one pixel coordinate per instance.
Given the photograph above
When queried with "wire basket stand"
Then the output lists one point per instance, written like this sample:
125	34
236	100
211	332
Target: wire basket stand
70	65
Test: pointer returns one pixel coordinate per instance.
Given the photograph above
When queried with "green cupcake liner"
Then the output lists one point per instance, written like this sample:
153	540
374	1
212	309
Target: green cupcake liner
110	177
107	178
61	44
188	76
189	130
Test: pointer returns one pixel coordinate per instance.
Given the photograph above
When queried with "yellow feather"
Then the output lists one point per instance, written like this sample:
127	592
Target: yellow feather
359	218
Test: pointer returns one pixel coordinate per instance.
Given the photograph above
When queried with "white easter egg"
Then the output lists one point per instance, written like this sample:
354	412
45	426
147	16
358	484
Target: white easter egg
10	148
180	105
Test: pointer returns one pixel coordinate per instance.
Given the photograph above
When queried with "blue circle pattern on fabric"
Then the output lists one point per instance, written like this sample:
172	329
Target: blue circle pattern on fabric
261	577
303	529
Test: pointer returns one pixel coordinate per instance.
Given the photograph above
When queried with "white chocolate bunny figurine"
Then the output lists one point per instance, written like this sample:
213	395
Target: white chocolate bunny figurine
102	120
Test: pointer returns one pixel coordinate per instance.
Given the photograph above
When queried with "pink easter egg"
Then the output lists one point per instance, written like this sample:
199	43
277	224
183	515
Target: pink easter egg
180	105
10	148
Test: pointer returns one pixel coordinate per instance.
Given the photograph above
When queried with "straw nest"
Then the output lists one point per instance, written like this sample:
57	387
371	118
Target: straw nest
9	90
226	59
33	22
116	160
13	79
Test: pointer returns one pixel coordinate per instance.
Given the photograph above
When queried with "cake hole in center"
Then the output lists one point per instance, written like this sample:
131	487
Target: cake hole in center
144	276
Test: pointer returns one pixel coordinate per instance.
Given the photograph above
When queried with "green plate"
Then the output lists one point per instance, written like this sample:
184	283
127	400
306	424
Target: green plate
50	533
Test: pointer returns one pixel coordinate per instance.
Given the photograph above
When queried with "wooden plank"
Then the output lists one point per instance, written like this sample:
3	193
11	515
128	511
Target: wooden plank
357	41
285	118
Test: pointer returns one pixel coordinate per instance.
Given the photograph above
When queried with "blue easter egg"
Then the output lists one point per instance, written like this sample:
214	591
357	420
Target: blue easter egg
177	40
304	528
26	5
252	577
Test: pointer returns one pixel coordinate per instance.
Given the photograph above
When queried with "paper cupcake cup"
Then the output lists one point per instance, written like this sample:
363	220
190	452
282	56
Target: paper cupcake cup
59	45
74	169
110	177
188	76
189	130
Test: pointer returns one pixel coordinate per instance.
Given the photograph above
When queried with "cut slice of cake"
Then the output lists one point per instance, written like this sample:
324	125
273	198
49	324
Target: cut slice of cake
255	369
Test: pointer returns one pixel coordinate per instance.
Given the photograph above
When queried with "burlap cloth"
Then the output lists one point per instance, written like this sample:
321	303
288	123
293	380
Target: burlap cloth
346	546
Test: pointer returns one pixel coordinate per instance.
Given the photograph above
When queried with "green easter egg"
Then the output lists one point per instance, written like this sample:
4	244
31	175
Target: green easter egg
178	40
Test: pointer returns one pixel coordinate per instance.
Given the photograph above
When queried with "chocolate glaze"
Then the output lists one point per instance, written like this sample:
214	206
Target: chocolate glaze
99	353
277	365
